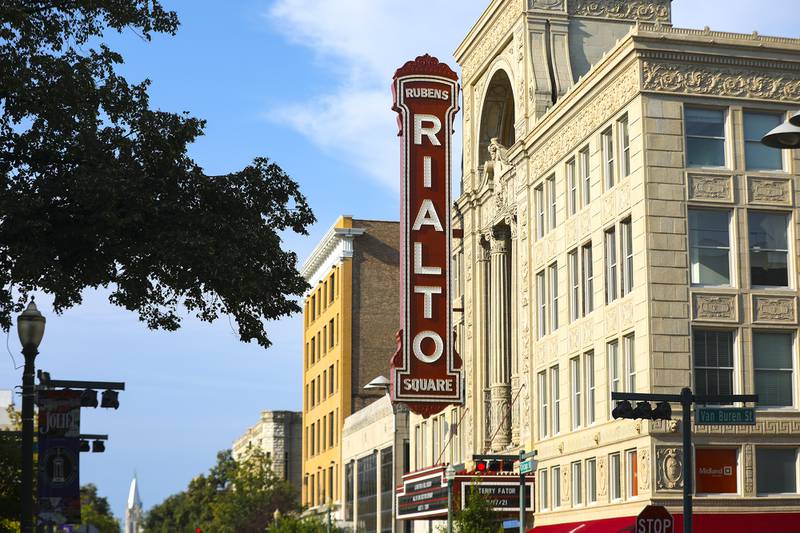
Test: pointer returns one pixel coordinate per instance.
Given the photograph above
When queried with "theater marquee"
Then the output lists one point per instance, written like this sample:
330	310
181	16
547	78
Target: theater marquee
426	370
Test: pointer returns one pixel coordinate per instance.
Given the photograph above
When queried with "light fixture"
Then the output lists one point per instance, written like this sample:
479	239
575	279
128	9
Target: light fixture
30	327
379	383
795	119
784	137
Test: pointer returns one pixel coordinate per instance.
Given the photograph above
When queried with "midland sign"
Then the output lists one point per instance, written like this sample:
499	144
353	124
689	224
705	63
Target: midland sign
426	371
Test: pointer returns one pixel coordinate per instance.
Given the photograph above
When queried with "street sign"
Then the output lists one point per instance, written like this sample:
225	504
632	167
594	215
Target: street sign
502	496
526	467
655	519
426	370
725	416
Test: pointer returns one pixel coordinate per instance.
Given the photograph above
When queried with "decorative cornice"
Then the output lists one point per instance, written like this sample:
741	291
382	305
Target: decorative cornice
643	10
426	64
712	80
335	245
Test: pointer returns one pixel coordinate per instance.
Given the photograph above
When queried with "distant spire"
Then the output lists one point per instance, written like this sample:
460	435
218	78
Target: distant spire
133	511
133	494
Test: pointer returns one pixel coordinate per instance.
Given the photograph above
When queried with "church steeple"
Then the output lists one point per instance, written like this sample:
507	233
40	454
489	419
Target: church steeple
133	509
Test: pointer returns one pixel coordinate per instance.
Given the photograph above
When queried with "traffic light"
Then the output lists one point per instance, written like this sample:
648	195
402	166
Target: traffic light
84	446
494	465
480	466
110	399
643	411
98	446
89	398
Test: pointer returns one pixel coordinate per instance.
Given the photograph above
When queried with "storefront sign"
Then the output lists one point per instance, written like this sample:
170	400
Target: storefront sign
426	371
59	457
716	471
655	519
503	496
423	495
725	416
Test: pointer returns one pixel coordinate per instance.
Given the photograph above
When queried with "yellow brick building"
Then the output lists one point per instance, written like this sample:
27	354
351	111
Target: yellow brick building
350	318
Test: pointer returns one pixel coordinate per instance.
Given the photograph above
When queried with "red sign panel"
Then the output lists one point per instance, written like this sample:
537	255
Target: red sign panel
426	371
716	471
655	519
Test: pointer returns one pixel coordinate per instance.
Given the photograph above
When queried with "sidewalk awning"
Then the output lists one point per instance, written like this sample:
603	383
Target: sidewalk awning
727	523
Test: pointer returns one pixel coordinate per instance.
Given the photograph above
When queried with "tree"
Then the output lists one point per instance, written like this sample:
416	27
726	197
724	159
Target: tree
477	516
295	524
95	511
239	497
97	188
10	473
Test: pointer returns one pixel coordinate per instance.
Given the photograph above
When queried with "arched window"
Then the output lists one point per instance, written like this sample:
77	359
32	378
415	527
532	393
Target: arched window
497	119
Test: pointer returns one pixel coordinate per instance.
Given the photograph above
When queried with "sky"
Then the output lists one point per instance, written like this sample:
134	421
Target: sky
307	84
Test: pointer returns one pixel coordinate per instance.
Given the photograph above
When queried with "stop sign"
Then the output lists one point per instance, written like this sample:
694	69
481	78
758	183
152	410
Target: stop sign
655	519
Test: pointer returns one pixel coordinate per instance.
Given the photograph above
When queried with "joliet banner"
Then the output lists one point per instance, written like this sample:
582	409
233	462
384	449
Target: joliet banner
426	370
59	452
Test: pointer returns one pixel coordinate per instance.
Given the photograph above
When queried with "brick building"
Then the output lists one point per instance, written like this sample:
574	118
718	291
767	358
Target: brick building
350	321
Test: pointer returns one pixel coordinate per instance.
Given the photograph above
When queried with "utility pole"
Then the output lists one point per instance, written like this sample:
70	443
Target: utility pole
526	464
663	411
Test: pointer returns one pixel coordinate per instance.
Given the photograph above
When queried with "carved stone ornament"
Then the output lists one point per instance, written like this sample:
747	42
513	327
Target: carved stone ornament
643	10
602	476
773	309
748	469
486	43
768	191
669	462
565	494
644	470
718	81
546	4
713	188
715	307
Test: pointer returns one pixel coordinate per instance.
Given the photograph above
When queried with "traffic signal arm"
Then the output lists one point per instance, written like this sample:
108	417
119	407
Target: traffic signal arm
677	398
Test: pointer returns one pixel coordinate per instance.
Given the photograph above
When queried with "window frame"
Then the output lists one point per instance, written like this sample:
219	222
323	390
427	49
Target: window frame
591	388
541	304
587	277
555	400
544	489
552	205
789	262
552	289
624	143
626	256
631	466
544	404
591	492
576	392
612	467
611	265
629	358
555	480
731	239
609	159
539	201
781	116
796	475
584	167
615	371
735	385
575	304
573	197
725	132
793	370
576	467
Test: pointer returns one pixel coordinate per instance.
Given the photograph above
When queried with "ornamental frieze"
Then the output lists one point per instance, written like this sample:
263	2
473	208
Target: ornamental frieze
642	10
557	5
774	309
718	81
710	188
715	307
495	33
669	462
768	191
644	470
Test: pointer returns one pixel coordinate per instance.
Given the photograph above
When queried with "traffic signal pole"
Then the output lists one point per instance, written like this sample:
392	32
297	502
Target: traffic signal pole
686	399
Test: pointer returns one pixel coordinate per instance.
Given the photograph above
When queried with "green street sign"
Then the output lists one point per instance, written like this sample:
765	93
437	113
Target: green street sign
725	416
526	467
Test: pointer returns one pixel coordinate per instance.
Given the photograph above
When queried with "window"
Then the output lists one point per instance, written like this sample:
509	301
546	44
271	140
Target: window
542	305
331	381
709	247
330	334
551	202
421	444
313	439
387	484
330	430
576	386
705	137
572	188
349	488
588	279
543	404
611	265
574	286
607	145
543	487
455	440
555	480
626	233
614	371
555	390
577	484
773	359
313	392
418	448
313	350
367	508
624	148
538	193
713	362
586	177
632	473
588	358
553	289
591	480
629	346
758	156
435	440
615	477
769	249
313	307
716	470
776	470
332	287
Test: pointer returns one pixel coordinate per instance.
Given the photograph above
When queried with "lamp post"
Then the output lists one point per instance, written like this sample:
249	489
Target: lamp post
30	328
450	476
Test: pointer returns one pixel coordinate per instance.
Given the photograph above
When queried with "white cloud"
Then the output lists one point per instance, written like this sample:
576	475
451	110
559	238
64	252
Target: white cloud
364	41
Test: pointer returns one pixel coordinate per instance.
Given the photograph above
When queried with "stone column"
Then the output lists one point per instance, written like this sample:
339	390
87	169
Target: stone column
481	356
500	324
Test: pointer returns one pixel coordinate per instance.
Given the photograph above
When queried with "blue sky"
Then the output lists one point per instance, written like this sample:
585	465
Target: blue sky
306	83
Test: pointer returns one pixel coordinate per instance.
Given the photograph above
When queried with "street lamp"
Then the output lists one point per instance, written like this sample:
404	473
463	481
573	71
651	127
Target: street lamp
786	136
30	328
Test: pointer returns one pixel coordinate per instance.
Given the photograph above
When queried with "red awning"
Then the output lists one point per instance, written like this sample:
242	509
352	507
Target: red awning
703	523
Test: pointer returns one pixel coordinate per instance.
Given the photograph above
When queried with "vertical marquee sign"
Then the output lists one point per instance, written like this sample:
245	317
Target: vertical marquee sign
426	370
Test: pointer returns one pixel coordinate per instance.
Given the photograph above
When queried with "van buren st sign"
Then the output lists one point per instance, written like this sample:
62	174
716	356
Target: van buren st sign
425	369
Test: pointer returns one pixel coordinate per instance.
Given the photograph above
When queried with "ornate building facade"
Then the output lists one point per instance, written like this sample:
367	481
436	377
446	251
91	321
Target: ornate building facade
625	230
